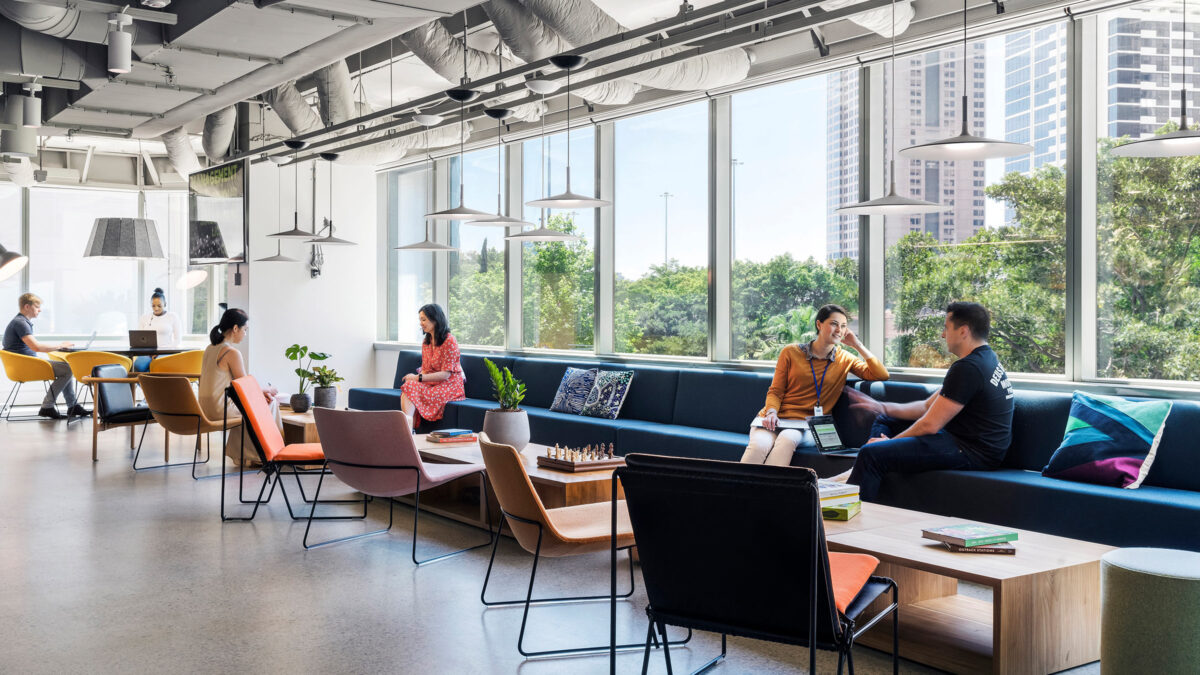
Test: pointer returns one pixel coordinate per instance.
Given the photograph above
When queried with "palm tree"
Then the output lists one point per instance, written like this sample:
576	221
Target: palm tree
797	325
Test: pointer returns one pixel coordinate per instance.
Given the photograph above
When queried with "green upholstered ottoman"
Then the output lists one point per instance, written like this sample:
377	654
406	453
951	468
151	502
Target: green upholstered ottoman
1150	620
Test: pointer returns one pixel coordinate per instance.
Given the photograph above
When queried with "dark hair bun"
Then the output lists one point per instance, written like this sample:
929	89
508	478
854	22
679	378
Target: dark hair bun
158	291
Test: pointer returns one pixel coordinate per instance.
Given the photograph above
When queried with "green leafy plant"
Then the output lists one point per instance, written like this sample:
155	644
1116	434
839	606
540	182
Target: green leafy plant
324	376
298	353
509	390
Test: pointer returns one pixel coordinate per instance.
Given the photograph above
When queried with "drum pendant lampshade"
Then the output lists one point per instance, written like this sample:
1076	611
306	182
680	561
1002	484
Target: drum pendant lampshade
11	262
205	244
123	238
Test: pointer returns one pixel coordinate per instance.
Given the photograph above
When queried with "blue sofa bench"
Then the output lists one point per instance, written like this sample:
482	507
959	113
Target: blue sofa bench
683	412
693	412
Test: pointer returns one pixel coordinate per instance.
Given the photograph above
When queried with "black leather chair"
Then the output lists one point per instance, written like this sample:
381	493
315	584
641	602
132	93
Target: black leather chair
115	406
739	549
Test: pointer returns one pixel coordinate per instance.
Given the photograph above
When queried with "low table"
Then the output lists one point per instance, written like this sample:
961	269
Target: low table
299	427
1045	611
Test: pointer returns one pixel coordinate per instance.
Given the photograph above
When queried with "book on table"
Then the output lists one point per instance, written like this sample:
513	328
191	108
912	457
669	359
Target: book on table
844	511
831	489
453	439
443	433
969	535
1003	548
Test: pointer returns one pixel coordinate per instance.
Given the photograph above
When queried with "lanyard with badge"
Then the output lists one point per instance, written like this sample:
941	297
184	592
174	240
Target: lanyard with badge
818	410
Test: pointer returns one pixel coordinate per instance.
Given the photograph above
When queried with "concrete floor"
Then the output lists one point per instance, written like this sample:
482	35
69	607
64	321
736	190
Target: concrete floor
105	570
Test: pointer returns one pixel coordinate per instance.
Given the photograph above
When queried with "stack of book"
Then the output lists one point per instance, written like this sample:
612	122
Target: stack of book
452	436
839	501
974	538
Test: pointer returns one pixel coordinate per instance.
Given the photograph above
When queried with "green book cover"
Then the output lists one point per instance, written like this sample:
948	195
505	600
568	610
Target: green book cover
841	511
970	534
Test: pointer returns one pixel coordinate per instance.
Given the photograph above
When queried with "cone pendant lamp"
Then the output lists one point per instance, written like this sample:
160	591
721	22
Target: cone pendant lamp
965	146
543	233
499	114
279	256
428	245
568	199
891	204
296	232
329	239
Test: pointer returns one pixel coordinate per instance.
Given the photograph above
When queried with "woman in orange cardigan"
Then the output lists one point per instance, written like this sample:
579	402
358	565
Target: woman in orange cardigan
808	376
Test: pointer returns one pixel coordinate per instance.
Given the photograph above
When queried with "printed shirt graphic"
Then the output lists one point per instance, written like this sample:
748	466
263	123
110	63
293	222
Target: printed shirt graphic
983	428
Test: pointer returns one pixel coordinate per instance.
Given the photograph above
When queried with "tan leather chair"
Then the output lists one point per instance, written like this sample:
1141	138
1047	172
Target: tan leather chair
565	531
174	405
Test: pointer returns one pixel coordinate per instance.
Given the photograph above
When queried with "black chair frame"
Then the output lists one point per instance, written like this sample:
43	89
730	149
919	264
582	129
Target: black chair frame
845	630
195	454
392	510
529	599
273	474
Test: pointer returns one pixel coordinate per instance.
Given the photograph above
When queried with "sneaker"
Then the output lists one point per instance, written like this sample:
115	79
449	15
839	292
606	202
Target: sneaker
50	413
79	411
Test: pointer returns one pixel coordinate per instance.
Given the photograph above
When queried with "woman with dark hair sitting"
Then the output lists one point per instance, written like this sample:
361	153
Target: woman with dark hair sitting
440	378
223	364
165	323
808	381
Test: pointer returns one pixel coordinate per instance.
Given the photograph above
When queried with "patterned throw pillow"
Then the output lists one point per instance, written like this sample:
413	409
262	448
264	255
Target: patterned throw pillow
1109	441
608	393
573	390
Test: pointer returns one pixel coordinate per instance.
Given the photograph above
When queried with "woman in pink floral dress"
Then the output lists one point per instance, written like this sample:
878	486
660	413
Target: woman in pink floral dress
440	378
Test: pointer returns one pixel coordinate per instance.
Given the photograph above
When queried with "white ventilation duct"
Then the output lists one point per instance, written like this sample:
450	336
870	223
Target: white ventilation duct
20	172
877	20
335	94
59	22
26	52
218	133
180	153
295	113
581	22
443	53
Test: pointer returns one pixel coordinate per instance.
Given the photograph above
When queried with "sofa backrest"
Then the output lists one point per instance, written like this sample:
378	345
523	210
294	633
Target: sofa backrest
1039	422
1177	463
479	382
719	399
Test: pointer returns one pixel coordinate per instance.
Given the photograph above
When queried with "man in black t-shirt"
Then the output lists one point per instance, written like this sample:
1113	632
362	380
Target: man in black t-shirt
967	424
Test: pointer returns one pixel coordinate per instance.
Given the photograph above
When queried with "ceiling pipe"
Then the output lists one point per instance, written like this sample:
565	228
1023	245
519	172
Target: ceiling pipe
59	22
218	133
180	153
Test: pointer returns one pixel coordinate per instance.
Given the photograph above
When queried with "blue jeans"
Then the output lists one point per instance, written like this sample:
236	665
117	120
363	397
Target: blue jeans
903	455
141	364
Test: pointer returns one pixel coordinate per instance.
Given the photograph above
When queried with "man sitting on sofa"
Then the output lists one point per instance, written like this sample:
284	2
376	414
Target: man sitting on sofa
967	424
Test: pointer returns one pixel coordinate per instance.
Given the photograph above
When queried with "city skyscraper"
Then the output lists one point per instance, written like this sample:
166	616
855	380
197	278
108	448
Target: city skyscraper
1035	96
841	163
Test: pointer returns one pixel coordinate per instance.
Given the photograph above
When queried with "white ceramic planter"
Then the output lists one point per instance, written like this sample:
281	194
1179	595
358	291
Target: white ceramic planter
507	427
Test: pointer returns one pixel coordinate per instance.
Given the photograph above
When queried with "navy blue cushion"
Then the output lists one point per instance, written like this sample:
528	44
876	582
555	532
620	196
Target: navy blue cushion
652	394
573	390
1177	463
541	378
897	392
479	383
679	441
1039	420
365	398
1147	516
407	361
724	400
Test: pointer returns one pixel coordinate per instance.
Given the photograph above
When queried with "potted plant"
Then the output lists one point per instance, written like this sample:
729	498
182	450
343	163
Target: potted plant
508	424
300	400
323	379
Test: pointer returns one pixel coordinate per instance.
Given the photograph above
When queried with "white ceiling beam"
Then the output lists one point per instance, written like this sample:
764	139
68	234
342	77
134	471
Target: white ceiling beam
150	168
220	54
87	164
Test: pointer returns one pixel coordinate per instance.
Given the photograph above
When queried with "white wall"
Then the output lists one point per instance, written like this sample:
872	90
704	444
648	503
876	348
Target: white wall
335	312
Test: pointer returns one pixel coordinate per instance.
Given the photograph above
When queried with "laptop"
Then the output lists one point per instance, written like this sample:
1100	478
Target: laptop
828	441
143	339
83	348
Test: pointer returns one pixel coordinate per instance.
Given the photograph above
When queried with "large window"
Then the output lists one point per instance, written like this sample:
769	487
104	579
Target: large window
10	238
169	211
558	278
660	288
1001	239
476	303
79	294
1147	240
792	252
410	192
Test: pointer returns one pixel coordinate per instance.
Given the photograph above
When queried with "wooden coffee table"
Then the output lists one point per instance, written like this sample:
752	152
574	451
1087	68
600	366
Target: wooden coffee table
1045	611
299	427
460	499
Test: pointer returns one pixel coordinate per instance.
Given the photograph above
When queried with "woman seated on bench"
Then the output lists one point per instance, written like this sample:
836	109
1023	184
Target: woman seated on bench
808	381
440	378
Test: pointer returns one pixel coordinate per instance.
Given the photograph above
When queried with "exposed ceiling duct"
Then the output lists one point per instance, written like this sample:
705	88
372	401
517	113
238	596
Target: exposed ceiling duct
218	133
295	113
335	93
884	20
180	153
20	172
34	54
59	22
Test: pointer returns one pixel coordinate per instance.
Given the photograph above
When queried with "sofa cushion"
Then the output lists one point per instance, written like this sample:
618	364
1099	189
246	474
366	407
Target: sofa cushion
1109	440
374	399
725	400
896	392
679	441
652	395
541	378
1039	418
608	394
573	390
479	383
1177	462
407	361
1148	516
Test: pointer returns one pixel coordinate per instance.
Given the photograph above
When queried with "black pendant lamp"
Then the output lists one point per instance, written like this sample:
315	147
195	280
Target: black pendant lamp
330	239
499	114
296	232
568	199
279	256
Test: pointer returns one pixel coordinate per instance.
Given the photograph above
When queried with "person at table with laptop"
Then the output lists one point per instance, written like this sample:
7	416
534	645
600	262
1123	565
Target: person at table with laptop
166	325
808	381
18	338
966	424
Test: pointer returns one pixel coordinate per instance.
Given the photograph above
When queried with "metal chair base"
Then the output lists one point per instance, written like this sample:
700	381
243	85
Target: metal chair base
10	402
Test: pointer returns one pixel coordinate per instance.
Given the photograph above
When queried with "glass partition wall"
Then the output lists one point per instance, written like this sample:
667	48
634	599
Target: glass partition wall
724	235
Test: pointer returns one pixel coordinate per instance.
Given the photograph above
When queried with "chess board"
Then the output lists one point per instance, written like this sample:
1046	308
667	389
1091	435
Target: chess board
576	467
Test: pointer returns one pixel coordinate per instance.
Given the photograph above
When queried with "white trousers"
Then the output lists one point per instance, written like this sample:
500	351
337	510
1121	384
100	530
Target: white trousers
770	447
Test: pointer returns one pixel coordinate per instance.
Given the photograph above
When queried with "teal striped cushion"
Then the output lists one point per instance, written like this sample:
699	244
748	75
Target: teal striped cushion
1109	440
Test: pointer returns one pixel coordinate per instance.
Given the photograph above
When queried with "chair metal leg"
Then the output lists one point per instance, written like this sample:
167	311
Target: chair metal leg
11	402
313	510
296	473
543	601
646	653
417	516
288	502
662	629
192	462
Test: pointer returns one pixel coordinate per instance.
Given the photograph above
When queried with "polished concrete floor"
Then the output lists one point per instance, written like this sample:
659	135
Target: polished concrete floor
104	570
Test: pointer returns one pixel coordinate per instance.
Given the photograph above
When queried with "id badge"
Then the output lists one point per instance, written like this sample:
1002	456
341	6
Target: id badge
818	411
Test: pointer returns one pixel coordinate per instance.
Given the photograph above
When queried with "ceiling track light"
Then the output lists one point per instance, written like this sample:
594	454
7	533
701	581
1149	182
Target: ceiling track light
427	119
891	204
964	146
31	105
295	143
1182	143
120	44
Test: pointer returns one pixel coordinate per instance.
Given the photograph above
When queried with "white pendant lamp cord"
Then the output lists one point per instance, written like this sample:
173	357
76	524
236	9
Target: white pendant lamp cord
963	76
462	119
567	98
892	122
545	181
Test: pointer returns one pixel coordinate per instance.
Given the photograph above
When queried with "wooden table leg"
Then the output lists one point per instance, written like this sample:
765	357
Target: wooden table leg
1047	622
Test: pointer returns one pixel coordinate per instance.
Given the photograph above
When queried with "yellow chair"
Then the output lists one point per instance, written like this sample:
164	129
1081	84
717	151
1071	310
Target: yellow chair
82	363
20	369
183	363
